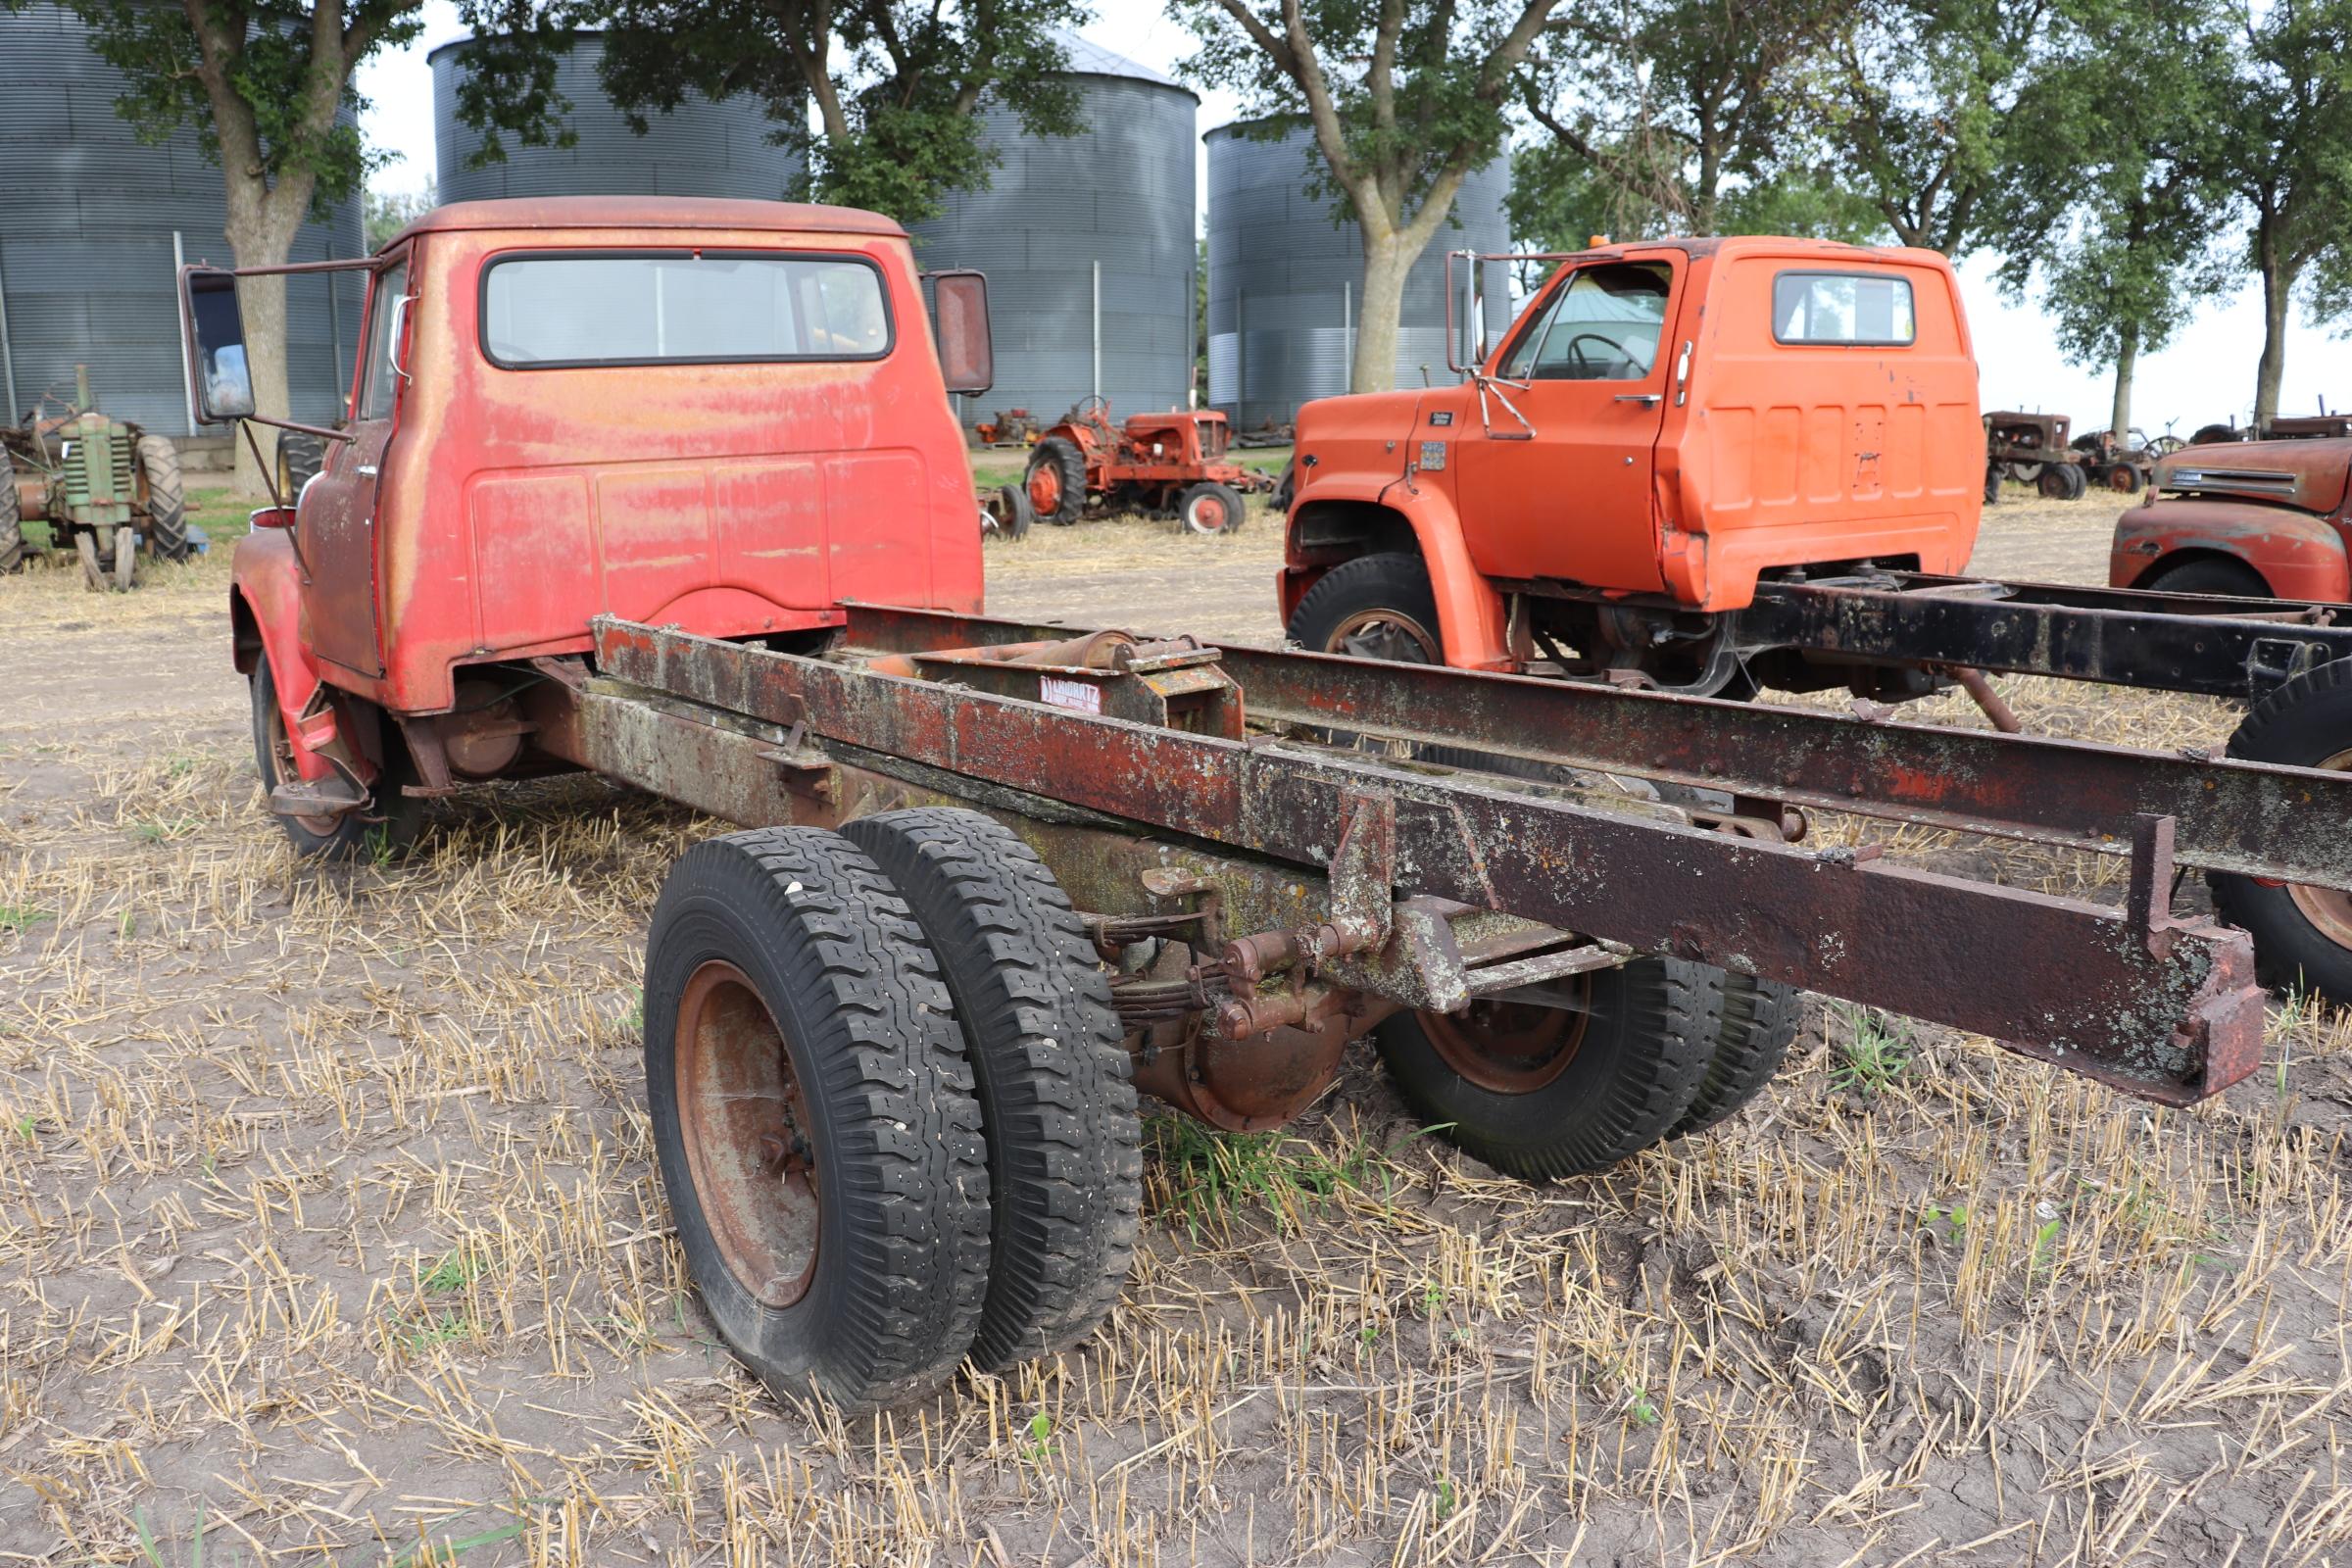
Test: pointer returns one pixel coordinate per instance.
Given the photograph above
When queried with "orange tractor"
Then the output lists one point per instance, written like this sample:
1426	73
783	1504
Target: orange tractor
1169	464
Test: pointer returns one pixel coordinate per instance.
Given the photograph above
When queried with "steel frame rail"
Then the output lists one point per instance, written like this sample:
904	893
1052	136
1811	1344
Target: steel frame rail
2164	1008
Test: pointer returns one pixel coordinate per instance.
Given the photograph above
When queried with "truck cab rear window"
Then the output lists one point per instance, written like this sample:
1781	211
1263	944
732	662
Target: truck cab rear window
544	312
1865	308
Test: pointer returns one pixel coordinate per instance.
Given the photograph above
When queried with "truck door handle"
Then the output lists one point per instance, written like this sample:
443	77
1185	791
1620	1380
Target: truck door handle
1650	400
368	469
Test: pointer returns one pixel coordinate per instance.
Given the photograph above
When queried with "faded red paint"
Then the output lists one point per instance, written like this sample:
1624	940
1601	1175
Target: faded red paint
1733	453
2279	507
730	500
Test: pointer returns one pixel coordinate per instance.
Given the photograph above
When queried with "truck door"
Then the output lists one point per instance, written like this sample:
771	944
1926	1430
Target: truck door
1567	493
337	516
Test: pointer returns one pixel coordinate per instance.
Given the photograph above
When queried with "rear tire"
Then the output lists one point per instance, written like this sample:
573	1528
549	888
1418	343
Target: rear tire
1374	607
1064	1144
1637	1063
351	836
1760	1019
2225	579
167	500
300	456
1211	508
12	526
1055	480
813	1116
2302	935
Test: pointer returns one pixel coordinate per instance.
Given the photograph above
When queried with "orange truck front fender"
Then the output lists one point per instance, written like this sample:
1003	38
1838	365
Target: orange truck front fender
1471	614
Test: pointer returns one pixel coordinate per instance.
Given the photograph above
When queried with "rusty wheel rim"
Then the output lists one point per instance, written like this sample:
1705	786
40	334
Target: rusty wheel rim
2328	909
1385	635
744	1121
1512	1048
1045	489
2121	480
1209	515
281	757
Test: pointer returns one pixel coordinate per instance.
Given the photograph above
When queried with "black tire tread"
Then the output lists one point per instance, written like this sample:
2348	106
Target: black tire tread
904	1125
1673	1010
1063	453
400	815
1393	579
2211	574
1066	1157
166	499
1760	1019
12	526
2289	952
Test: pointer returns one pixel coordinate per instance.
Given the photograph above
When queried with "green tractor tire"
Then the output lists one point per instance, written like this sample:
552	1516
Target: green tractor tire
12	527
167	500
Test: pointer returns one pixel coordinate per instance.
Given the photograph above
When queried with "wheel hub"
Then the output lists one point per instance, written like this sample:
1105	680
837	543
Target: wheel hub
1385	634
1511	1048
1045	489
744	1121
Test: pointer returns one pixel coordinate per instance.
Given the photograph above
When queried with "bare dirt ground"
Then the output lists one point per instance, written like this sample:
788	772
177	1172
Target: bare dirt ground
329	1233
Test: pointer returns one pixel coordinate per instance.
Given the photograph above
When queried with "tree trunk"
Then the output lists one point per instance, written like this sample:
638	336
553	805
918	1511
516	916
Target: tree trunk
2277	285
260	235
1386	264
2126	356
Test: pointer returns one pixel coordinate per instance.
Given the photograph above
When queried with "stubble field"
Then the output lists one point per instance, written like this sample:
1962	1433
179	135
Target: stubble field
329	1231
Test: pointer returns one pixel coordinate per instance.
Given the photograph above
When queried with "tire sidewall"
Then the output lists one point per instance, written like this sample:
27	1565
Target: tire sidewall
696	927
1391	582
2297	728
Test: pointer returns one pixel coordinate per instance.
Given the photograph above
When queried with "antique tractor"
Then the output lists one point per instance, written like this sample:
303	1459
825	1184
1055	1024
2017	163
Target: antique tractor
98	481
2031	449
1169	464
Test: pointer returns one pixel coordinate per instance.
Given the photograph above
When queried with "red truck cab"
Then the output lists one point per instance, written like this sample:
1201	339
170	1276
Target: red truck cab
721	415
1666	422
2258	519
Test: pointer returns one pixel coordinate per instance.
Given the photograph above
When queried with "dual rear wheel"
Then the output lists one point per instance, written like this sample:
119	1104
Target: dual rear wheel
891	1103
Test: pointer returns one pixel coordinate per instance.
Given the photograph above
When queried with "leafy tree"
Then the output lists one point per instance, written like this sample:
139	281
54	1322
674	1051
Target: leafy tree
2112	207
2288	154
1914	105
895	82
1405	97
390	211
1674	116
263	84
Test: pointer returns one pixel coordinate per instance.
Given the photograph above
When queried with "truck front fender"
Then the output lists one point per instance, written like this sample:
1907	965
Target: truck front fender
2297	555
1332	522
265	610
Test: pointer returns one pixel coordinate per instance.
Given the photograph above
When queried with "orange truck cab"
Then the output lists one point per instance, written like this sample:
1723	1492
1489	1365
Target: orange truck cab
1664	424
721	415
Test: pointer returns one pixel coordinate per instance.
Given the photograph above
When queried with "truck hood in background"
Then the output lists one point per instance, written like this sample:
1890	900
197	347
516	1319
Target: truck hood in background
2309	475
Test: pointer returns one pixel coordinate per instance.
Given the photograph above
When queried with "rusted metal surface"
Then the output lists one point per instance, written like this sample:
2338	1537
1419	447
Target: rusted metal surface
2252	818
747	1134
2057	978
2019	633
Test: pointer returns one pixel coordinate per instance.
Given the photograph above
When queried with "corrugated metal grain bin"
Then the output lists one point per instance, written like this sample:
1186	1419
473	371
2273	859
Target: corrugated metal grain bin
1089	245
86	245
1284	282
700	148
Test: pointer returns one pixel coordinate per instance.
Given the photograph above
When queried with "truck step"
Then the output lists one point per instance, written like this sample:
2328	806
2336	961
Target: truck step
322	797
1542	969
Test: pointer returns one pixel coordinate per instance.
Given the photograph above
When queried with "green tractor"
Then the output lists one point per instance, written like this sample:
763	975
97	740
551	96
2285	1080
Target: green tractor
103	486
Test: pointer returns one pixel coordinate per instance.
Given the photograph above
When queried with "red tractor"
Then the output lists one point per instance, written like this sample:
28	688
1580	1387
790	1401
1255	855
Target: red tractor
1169	464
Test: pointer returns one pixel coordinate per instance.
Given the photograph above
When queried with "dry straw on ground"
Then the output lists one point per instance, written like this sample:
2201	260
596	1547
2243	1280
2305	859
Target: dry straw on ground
328	1227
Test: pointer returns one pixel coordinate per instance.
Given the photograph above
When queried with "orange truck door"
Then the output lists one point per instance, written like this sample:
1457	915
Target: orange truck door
1567	493
337	509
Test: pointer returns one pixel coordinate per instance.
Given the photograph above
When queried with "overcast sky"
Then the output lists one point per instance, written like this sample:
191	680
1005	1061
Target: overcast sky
2207	374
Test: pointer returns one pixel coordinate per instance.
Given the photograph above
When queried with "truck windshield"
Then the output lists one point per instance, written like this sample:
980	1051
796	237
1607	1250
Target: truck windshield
544	312
1603	326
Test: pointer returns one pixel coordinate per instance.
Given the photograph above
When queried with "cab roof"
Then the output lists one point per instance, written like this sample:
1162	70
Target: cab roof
649	212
